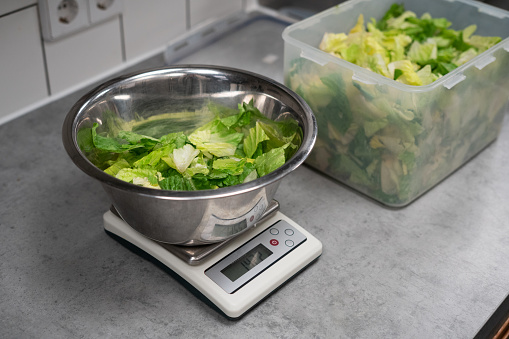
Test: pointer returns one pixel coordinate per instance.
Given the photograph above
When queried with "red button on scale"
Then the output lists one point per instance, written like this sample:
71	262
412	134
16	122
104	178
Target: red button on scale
274	242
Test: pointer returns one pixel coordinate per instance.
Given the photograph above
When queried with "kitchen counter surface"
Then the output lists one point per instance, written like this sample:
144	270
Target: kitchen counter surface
437	268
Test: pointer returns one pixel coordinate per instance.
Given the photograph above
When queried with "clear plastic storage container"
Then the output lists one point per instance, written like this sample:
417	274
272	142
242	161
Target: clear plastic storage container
388	140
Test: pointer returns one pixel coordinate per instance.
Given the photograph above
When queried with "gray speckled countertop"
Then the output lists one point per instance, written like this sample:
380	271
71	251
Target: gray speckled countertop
435	269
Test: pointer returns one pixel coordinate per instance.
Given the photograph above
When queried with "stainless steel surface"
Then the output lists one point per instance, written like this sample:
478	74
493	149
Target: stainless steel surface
196	217
193	255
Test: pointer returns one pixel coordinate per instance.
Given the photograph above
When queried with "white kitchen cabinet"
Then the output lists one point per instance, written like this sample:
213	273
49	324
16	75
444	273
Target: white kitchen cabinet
80	57
149	25
22	74
7	6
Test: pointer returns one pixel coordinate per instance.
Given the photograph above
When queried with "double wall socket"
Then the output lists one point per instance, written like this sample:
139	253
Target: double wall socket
100	10
63	17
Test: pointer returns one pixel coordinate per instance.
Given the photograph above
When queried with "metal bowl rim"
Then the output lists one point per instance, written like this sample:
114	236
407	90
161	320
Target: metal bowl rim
69	131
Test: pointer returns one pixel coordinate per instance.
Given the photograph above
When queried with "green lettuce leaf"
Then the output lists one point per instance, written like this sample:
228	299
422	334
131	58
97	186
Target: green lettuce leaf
182	157
178	139
465	57
197	166
407	73
117	166
215	138
399	36
424	53
231	166
177	183
482	43
143	177
256	136
270	161
108	144
393	12
134	138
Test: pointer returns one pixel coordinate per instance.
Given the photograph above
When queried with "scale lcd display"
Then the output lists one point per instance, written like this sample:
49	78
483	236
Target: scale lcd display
245	263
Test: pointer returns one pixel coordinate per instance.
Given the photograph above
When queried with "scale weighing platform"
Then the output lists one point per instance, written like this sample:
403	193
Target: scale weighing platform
237	274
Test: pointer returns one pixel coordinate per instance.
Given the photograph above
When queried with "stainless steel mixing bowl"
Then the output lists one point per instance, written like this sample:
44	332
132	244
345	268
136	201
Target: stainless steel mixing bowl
188	217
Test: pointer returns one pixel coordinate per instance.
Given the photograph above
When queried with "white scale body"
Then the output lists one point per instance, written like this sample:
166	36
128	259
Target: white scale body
245	270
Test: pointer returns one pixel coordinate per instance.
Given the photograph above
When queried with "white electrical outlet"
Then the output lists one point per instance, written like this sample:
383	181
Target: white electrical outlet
100	10
62	17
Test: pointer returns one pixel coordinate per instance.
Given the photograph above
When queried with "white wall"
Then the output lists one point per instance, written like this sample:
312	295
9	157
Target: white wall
33	70
22	74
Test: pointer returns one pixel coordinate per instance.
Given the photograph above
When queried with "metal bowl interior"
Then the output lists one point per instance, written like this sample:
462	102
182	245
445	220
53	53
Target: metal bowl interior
187	217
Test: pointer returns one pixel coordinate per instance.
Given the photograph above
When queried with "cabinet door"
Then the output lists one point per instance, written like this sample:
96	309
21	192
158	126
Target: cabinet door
7	6
83	57
150	25
22	74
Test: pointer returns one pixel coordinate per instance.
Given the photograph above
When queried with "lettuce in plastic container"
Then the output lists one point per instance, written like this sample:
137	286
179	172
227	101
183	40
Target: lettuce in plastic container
230	147
389	142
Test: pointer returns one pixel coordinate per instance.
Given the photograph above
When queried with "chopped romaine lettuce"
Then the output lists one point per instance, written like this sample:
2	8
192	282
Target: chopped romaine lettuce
270	161
256	136
232	146
216	138
393	144
401	36
144	177
182	157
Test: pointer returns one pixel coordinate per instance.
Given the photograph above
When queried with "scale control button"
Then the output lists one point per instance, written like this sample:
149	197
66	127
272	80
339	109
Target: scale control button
289	243
274	242
288	231
274	231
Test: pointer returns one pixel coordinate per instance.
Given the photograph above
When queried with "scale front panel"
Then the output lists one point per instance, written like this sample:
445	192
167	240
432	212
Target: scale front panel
244	271
254	257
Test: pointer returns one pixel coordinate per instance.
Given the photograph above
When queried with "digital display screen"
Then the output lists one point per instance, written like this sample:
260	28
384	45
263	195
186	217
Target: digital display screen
245	263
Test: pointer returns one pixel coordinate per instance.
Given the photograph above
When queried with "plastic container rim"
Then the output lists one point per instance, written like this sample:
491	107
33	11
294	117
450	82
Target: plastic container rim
379	79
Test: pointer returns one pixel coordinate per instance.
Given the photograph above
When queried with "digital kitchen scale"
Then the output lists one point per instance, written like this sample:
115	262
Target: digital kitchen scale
235	275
